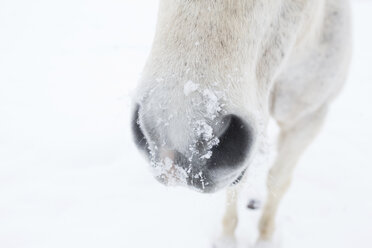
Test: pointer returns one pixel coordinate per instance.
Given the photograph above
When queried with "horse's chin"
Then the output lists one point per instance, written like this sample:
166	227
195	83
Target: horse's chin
199	184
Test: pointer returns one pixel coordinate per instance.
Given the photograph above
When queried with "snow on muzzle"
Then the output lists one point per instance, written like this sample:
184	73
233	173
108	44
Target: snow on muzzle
214	162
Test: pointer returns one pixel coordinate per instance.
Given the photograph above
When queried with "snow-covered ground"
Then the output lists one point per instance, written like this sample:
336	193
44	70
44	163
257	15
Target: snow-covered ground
70	175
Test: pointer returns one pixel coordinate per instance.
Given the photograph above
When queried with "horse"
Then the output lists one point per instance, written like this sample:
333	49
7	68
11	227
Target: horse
218	71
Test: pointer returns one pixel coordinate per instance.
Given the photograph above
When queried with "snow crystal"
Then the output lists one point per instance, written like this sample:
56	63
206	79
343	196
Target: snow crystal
190	87
211	103
168	163
204	132
208	155
170	173
203	129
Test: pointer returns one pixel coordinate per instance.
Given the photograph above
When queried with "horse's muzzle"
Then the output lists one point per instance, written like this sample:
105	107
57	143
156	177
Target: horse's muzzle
223	167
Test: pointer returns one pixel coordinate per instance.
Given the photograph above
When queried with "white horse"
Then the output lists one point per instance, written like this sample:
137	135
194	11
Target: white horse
218	70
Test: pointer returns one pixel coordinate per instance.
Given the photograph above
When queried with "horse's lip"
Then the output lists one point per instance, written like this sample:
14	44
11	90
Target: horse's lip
239	178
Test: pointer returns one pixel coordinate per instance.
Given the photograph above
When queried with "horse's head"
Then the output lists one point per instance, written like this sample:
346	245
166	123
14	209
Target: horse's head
199	106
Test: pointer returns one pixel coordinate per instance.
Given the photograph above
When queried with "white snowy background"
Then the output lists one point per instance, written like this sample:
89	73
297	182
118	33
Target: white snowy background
70	175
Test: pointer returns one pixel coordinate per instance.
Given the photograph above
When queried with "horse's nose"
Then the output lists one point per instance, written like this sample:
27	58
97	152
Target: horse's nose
235	141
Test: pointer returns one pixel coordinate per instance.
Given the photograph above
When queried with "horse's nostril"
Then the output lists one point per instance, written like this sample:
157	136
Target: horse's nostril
139	137
235	141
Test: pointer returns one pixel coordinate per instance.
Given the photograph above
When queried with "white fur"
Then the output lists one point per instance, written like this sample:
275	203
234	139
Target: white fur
282	58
